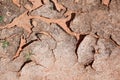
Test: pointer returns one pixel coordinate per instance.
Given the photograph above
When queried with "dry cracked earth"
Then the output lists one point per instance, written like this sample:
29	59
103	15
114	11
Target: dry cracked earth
64	40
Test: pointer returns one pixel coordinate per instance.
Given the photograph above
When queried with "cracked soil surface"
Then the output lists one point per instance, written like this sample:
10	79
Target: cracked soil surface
59	40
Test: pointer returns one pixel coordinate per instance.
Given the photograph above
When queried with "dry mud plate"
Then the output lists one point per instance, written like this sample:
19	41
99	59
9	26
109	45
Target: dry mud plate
59	39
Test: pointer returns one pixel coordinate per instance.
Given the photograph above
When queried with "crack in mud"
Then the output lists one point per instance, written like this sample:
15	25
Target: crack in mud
78	43
26	62
114	41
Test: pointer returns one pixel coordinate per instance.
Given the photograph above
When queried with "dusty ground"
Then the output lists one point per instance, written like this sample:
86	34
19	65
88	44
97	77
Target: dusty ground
35	43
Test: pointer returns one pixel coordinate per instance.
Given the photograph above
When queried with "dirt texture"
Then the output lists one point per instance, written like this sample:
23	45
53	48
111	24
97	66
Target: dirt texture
59	39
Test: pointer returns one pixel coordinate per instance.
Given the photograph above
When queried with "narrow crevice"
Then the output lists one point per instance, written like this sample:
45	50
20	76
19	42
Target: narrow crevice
68	22
54	55
78	43
53	6
29	43
42	1
37	35
114	41
90	64
72	18
26	62
31	22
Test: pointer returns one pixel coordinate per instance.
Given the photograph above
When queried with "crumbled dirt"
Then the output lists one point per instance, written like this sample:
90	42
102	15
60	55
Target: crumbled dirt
59	40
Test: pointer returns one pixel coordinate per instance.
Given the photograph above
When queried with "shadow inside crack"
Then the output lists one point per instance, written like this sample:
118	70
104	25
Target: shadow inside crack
26	62
78	43
89	64
72	18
